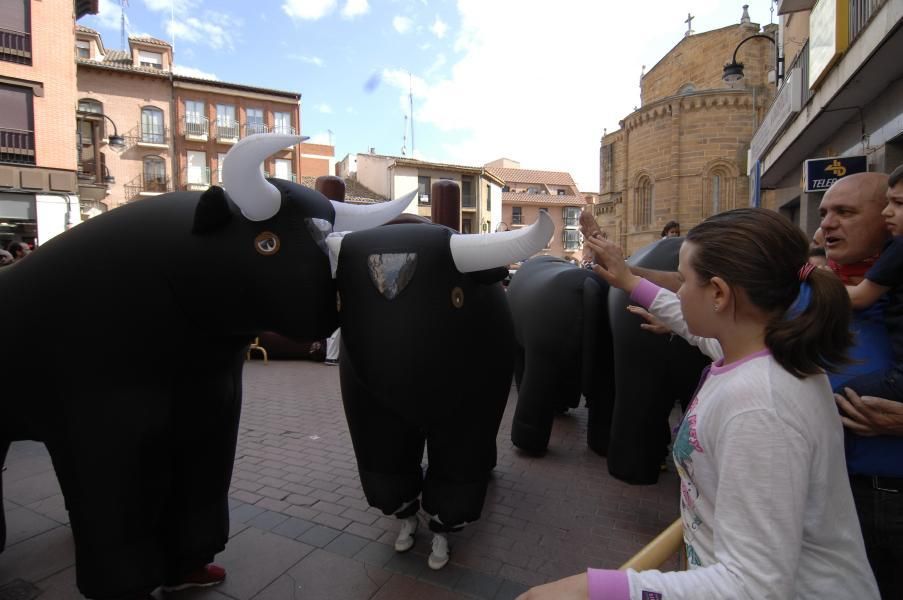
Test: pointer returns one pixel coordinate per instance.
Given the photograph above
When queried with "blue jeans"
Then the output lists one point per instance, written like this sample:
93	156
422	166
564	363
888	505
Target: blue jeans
880	512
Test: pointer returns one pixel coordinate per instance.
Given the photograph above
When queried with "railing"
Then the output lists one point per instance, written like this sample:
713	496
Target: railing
15	46
227	130
197	178
861	12
657	552
152	133
17	146
291	177
802	61
152	185
253	128
283	130
196	126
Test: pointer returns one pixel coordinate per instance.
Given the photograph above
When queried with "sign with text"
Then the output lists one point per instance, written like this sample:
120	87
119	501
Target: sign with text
821	173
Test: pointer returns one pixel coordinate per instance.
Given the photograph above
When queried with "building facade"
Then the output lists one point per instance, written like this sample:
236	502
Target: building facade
392	177
38	164
682	155
528	191
840	106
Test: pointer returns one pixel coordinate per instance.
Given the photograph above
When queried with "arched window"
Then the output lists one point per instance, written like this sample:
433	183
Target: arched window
154	174
642	208
687	88
719	192
152	130
89	105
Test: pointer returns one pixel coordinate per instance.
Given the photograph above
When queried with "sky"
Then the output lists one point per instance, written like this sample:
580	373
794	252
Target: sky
532	81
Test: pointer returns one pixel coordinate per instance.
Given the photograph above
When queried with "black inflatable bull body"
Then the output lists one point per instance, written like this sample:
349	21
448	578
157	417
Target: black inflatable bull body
561	327
124	341
426	358
630	395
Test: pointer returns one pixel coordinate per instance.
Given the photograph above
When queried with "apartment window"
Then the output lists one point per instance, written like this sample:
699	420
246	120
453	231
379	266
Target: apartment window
154	174
82	49
226	127
254	121
642	207
91	106
466	225
570	239
570	215
283	169
517	216
282	123
16	125
15	31
467	200
153	60
197	173
195	118
488	197
220	157
423	190
152	129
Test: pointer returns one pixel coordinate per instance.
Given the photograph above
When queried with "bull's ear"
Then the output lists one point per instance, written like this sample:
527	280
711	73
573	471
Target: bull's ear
212	212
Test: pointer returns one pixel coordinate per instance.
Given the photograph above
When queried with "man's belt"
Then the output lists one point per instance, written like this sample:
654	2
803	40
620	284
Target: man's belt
891	485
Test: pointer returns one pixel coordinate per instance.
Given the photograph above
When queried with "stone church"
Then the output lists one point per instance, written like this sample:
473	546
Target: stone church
682	155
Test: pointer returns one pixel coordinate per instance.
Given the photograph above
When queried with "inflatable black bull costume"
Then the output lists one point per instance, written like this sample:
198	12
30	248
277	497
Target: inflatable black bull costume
426	358
631	385
143	442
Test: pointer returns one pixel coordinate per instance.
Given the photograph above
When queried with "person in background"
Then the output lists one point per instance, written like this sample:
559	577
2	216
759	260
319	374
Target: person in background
765	498
6	258
818	257
19	250
671	229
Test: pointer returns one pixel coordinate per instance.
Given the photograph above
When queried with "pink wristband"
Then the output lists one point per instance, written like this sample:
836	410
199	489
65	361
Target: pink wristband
607	584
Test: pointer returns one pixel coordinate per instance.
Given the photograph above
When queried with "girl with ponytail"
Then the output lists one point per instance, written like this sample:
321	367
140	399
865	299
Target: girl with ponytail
765	498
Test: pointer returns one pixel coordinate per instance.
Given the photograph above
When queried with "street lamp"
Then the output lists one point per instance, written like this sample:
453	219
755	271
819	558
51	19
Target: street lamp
116	141
733	71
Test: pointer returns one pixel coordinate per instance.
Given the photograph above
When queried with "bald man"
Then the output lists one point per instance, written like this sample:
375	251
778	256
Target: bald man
855	233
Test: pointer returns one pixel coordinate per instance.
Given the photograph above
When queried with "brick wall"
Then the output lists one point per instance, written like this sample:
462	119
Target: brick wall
53	52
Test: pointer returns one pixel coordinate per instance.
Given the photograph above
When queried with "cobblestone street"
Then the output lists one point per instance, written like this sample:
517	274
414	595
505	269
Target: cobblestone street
301	527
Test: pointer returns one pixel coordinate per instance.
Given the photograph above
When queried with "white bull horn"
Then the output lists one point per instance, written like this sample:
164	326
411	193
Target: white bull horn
243	174
355	217
479	251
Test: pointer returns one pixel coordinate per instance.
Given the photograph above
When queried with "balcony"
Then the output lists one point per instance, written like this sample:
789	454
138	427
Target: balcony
15	46
254	128
197	179
151	135
17	146
861	12
292	178
146	186
226	132
283	130
195	128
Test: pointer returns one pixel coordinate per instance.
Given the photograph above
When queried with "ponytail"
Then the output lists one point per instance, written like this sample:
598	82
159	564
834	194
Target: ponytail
815	338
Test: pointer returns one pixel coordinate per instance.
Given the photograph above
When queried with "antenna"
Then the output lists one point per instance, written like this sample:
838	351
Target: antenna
404	137
172	27
122	37
411	97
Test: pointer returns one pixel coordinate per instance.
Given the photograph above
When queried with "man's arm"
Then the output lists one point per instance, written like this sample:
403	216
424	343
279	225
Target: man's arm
865	293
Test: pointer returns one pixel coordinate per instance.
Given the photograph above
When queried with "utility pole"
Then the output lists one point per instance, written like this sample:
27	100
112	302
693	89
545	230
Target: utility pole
411	98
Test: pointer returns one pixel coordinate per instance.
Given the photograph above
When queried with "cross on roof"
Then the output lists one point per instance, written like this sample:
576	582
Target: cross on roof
689	22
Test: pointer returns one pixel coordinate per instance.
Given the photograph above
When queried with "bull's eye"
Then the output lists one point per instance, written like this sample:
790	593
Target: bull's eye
457	297
267	243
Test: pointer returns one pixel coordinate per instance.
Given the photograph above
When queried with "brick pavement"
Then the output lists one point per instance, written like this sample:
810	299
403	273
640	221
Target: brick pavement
301	527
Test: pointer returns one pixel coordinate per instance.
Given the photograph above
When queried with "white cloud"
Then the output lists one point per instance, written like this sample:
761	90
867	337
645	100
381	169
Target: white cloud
324	108
310	10
311	60
402	24
321	137
439	28
109	14
214	29
568	73
437	64
355	8
193	72
176	6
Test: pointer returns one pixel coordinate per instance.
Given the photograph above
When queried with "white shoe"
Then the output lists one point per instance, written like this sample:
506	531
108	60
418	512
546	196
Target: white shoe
439	555
405	539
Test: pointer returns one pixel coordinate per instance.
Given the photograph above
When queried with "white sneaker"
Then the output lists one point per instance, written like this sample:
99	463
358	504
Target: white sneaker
439	555
405	539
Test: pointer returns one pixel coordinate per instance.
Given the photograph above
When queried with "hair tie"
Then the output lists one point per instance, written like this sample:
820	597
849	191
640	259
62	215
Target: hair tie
805	270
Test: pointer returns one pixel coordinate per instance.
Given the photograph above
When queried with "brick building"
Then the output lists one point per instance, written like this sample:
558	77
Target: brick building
682	154
126	93
528	191
37	96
